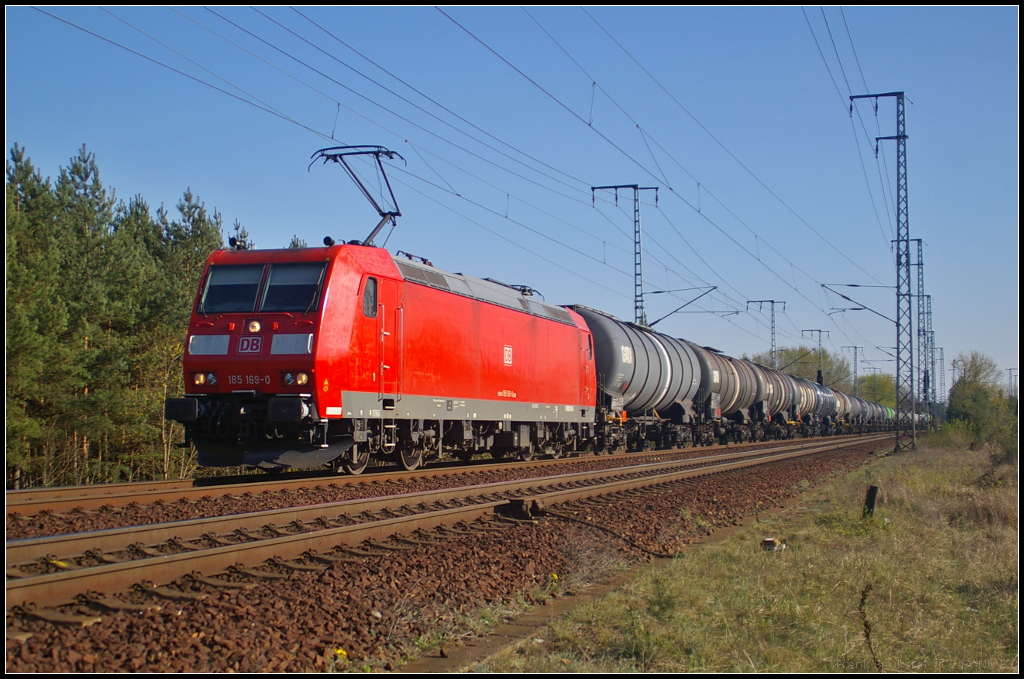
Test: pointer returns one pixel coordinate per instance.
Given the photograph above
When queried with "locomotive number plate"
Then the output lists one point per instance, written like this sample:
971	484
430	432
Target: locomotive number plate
249	380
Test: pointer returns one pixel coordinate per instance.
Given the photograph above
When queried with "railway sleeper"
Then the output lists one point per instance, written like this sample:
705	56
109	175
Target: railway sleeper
170	594
102	557
111	604
358	551
139	548
370	544
218	541
252	573
56	617
295	566
219	584
331	558
181	545
414	542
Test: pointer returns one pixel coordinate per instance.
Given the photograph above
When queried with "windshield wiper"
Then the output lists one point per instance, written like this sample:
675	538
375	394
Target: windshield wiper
316	294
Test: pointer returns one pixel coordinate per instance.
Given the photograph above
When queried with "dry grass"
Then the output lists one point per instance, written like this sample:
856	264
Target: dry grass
930	580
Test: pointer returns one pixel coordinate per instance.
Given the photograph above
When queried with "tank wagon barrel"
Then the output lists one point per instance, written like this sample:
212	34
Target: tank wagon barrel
657	389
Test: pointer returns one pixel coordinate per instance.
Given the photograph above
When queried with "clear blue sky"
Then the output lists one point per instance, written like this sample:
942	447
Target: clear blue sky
768	187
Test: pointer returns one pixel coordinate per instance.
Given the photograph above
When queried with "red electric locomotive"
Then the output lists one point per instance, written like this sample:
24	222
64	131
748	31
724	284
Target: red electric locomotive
300	357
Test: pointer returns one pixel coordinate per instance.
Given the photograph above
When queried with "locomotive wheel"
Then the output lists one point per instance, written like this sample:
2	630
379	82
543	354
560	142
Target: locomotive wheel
555	452
525	454
358	466
409	459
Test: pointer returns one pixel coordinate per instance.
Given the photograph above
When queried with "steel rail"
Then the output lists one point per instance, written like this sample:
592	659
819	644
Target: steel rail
60	588
30	502
76	544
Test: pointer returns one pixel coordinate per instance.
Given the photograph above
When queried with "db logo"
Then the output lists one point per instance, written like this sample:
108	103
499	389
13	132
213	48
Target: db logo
250	345
508	355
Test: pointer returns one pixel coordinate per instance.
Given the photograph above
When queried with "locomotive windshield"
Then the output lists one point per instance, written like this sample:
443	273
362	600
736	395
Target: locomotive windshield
231	289
289	287
293	287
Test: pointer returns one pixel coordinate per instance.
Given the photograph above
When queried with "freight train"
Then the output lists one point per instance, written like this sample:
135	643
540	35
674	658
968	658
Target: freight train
334	355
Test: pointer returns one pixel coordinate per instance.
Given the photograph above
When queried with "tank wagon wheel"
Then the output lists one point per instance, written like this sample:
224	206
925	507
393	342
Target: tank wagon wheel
555	452
410	459
357	465
525	454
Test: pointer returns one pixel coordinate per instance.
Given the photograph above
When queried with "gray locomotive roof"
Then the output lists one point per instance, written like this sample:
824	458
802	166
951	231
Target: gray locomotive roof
482	290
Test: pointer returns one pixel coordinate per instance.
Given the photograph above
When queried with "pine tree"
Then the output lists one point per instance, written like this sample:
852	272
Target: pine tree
36	318
241	238
188	244
98	299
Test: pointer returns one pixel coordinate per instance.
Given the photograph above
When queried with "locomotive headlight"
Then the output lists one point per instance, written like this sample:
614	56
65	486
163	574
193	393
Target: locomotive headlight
293	379
253	326
201	379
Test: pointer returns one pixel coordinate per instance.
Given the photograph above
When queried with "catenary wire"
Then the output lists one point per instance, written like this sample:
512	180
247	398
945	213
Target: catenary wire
724	148
321	134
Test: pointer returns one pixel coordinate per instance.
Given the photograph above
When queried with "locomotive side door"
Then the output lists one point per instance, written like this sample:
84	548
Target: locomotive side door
586	358
390	323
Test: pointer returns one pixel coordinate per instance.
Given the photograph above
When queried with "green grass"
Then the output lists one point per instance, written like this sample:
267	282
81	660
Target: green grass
930	579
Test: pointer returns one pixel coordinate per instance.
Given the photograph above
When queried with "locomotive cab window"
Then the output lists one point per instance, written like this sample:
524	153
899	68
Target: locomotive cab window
293	287
231	289
370	298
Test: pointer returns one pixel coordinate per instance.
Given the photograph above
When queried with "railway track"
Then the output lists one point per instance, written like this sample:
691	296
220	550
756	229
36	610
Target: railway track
361	599
52	571
33	501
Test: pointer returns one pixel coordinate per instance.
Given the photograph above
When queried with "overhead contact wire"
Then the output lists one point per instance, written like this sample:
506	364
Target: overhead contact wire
723	146
384	108
183	73
407	101
506	238
442	106
755	256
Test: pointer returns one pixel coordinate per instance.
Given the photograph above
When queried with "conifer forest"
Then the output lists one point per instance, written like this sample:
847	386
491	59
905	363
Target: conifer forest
98	297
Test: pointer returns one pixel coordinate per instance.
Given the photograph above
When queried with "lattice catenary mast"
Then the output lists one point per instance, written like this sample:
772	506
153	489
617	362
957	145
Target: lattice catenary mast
906	433
639	315
773	302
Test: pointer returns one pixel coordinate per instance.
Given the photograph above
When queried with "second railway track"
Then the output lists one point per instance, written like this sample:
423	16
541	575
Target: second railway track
52	570
22	504
369	603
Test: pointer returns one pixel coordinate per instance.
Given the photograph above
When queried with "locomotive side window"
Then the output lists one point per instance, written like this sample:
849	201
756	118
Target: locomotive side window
293	287
370	298
231	289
